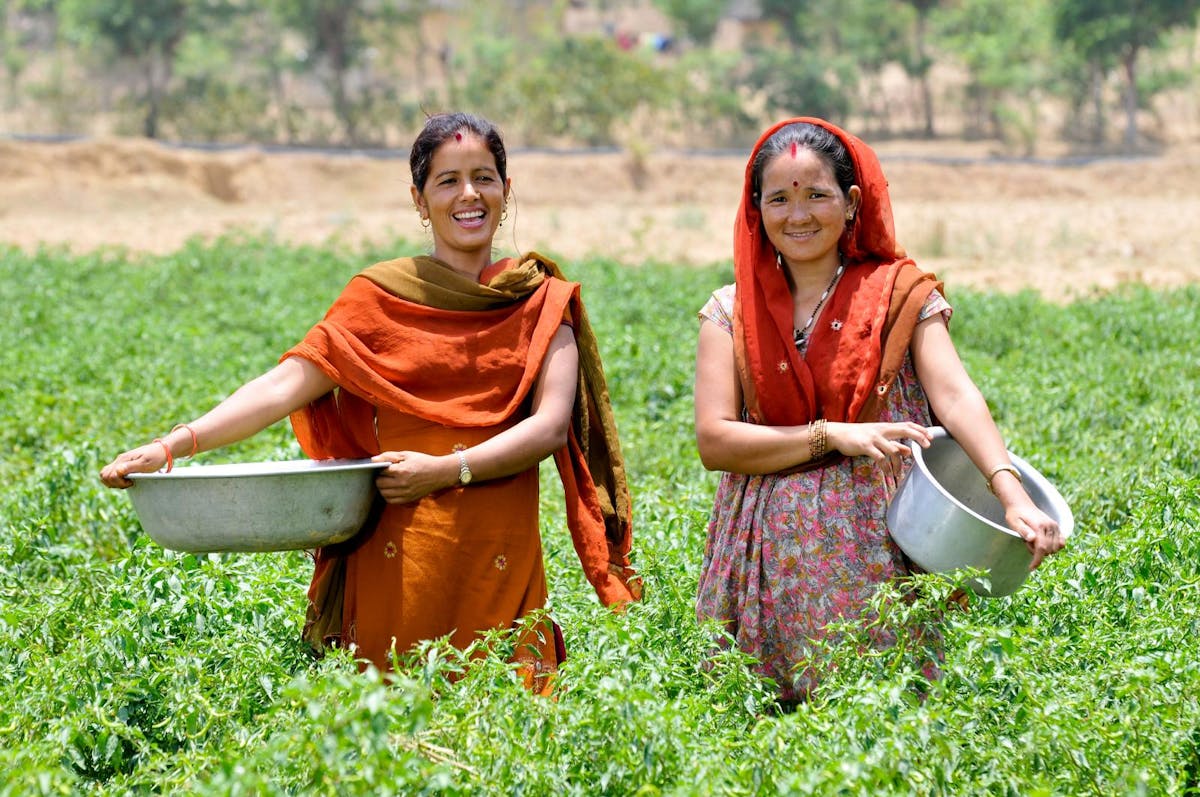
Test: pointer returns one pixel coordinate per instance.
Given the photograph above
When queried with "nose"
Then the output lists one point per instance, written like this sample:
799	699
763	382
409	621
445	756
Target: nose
799	211
469	190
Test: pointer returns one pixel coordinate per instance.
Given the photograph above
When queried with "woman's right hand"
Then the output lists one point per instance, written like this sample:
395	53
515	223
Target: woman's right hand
144	459
412	475
886	443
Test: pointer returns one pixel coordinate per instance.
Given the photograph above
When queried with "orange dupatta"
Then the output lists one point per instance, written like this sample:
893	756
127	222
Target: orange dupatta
414	335
850	365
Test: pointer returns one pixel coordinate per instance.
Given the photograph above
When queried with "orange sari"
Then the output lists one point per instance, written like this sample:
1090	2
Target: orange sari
426	360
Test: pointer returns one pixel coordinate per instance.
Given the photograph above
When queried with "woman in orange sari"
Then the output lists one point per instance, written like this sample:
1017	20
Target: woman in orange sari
463	375
828	353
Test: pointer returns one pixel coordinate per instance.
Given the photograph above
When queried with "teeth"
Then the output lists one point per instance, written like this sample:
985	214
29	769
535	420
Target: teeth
470	214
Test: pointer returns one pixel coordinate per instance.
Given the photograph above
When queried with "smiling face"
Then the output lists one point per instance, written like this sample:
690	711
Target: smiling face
803	209
463	199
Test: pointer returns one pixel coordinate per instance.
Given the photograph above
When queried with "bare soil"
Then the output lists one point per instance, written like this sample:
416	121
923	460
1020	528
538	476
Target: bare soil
1062	230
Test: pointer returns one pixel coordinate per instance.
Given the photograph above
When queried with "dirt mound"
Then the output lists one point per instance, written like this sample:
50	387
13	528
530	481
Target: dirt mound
1061	230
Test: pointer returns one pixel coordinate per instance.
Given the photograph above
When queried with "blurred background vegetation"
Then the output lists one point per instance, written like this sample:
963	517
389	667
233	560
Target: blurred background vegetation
1090	75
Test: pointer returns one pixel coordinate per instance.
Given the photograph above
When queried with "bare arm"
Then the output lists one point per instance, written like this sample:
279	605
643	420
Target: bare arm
413	475
728	443
254	406
961	408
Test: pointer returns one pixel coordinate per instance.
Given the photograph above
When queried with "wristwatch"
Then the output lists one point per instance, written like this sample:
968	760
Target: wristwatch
464	471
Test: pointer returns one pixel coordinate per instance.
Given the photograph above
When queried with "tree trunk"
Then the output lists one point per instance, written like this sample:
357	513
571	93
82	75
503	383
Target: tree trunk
150	122
926	87
333	30
1131	100
1098	105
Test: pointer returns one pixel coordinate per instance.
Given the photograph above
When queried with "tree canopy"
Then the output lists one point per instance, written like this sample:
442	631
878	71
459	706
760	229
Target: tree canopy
358	73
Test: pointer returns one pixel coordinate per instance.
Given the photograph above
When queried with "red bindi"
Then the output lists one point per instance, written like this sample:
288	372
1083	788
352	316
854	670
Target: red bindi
795	183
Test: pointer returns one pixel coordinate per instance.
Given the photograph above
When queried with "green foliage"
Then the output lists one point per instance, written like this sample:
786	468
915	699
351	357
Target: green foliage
125	668
1110	30
697	18
1117	32
1014	63
134	28
359	73
146	32
521	86
798	82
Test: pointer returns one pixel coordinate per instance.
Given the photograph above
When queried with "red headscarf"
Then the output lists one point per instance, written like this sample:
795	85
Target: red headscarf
844	376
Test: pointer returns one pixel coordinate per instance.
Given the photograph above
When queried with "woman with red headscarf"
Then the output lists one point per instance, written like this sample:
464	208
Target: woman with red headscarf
828	353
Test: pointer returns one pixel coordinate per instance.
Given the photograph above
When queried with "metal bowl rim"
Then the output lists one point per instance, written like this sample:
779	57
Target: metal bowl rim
291	467
1066	523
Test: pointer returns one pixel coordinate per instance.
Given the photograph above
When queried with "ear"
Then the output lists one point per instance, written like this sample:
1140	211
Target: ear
507	189
419	202
853	200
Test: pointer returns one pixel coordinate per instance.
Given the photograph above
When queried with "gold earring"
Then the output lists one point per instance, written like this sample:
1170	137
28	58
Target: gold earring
425	222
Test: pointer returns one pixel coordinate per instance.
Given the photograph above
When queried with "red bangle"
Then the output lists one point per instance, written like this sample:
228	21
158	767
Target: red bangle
195	440
167	449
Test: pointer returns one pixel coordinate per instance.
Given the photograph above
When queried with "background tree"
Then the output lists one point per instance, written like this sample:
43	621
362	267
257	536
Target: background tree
341	39
333	44
228	84
873	34
1107	32
803	74
698	19
1009	51
364	71
145	33
919	61
15	56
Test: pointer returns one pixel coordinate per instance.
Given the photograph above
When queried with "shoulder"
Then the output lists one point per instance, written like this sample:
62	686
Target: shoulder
719	307
936	304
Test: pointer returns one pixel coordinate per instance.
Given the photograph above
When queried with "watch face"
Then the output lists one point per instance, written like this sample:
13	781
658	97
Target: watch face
464	476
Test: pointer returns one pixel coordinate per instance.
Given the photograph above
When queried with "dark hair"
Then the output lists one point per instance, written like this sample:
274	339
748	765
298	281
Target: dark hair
811	137
440	127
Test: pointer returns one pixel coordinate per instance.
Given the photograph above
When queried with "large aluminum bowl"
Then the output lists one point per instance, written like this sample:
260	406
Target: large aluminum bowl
944	517
258	506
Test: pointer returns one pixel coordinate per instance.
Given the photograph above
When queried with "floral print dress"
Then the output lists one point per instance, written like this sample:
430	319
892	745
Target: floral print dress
787	554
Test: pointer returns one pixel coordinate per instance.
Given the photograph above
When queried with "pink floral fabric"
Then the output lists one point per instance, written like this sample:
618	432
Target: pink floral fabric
788	554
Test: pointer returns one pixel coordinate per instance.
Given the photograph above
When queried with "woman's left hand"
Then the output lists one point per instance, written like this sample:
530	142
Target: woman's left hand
411	475
1040	531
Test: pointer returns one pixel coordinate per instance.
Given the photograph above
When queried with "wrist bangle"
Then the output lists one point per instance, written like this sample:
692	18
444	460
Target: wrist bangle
992	475
167	450
817	440
195	440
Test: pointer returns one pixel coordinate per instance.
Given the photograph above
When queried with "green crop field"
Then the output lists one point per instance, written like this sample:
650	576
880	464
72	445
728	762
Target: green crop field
126	668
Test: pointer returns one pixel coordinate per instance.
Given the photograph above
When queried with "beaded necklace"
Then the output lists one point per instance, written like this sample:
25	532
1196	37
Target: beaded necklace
800	336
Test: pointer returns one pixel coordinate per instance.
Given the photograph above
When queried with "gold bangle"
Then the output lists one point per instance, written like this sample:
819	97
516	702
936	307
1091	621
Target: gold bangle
817	440
1008	467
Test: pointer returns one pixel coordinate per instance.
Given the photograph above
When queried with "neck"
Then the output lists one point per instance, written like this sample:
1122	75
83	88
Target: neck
811	278
468	264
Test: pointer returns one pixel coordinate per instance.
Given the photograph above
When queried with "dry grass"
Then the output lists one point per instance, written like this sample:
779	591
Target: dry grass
1061	230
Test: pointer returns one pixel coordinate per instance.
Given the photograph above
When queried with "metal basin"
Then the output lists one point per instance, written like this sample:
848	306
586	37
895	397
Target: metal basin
258	506
944	517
